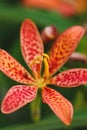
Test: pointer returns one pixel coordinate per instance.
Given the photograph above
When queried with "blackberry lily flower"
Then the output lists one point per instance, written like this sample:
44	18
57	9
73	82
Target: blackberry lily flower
32	50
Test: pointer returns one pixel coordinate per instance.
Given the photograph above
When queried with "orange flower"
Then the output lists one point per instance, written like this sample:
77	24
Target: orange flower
60	6
80	6
33	53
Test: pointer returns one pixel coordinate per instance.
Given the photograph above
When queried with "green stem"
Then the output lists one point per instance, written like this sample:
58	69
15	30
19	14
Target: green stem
35	108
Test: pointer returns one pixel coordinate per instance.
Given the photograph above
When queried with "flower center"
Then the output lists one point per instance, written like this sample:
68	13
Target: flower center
41	82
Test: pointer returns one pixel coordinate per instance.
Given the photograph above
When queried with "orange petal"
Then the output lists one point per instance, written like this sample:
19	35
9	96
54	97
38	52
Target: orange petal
31	44
14	70
60	105
17	97
64	46
71	78
45	4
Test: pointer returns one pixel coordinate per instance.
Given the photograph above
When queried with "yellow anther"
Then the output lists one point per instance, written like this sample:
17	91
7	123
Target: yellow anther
45	60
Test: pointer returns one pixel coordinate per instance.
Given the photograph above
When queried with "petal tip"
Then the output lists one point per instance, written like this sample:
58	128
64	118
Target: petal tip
68	118
27	20
3	110
68	122
79	29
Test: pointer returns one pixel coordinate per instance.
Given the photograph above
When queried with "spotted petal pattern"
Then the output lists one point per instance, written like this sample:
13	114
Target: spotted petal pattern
31	44
71	78
60	105
17	97
14	70
64	46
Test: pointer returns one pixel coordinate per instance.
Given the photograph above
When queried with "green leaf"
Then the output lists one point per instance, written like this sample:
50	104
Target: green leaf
82	47
41	17
51	123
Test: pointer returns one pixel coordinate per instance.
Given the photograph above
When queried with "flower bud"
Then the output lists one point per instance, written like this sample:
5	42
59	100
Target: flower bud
49	33
78	57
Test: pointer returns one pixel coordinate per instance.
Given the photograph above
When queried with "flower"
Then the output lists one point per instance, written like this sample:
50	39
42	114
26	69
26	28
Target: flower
63	7
32	50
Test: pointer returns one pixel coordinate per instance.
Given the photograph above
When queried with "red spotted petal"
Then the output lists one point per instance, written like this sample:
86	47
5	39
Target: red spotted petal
14	70
64	46
60	105
17	97
31	44
70	78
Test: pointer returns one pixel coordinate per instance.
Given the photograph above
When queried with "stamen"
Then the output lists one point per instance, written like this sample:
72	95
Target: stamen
36	60
45	56
36	63
45	60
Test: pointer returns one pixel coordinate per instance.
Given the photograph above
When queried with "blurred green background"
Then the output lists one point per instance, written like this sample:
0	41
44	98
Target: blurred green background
12	13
